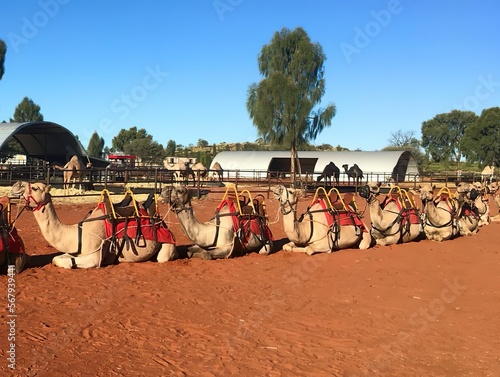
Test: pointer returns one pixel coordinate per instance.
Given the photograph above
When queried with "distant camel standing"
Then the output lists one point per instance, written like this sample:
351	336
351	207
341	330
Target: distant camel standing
182	171
353	172
330	170
199	170
73	171
217	171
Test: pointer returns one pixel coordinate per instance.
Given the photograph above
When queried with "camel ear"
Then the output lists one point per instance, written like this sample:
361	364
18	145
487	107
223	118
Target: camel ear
433	187
379	184
47	188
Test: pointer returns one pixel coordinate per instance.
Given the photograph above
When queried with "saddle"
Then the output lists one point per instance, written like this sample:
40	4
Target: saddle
131	220
10	241
248	215
405	202
340	211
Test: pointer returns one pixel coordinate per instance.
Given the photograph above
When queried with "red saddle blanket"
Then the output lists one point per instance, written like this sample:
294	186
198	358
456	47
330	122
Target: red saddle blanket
407	214
14	242
343	218
130	226
247	224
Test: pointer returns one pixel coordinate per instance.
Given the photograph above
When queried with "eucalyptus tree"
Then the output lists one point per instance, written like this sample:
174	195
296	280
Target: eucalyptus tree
442	134
481	141
284	105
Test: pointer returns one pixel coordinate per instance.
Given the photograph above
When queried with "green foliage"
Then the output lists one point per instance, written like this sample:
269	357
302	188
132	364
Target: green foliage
441	136
3	50
202	143
27	111
170	148
138	142
125	137
149	151
282	106
96	145
10	149
481	141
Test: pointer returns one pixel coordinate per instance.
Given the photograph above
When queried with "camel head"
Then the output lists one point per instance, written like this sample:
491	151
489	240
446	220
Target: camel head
285	195
493	187
371	189
426	192
177	196
35	195
466	192
481	188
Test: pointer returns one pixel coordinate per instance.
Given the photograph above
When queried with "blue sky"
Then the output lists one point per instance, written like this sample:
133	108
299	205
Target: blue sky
181	69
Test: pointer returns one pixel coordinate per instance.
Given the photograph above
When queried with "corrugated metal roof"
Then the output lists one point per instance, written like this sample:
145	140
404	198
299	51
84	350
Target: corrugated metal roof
379	162
45	140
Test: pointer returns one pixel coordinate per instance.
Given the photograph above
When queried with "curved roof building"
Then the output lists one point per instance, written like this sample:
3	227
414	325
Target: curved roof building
46	141
399	165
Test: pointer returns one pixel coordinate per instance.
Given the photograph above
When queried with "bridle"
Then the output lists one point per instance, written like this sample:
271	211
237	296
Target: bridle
29	198
283	203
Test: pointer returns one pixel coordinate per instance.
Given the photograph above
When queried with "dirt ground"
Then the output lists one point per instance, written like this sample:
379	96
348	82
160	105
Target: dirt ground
418	309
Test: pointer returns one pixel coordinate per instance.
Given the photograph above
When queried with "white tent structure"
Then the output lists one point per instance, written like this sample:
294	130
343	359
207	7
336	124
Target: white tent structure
396	165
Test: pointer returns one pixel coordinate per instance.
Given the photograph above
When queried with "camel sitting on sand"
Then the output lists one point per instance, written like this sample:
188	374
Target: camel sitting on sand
230	233
438	213
324	227
493	189
73	172
87	244
482	204
445	215
395	219
468	216
11	245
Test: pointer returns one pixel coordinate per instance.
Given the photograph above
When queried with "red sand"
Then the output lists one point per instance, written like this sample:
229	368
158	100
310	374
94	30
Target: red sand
419	309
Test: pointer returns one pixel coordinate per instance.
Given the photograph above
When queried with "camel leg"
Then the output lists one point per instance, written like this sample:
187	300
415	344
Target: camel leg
196	251
168	252
267	248
366	241
20	260
297	249
69	261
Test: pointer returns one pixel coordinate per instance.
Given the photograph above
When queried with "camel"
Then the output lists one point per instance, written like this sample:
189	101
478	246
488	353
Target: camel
493	190
487	173
353	172
199	170
330	170
73	172
481	203
12	252
324	227
395	220
182	171
217	172
438	213
468	216
446	216
86	244
230	233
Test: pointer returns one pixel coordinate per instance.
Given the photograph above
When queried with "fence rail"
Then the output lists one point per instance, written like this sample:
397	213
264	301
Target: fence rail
159	177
